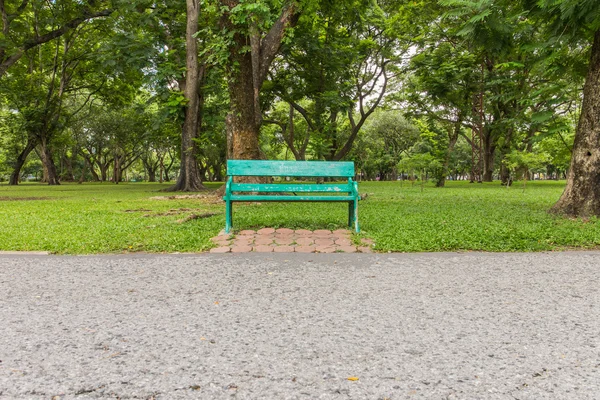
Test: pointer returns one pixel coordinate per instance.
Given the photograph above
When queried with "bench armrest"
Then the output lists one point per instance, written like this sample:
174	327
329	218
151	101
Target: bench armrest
228	188
354	186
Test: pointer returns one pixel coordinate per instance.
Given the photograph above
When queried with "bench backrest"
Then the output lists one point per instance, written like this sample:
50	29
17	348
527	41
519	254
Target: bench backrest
290	168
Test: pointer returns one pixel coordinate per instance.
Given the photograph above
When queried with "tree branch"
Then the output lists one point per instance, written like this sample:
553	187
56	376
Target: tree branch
271	43
38	40
304	114
364	115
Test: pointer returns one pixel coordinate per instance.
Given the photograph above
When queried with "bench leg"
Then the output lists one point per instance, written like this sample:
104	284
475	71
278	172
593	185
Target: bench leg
228	216
355	215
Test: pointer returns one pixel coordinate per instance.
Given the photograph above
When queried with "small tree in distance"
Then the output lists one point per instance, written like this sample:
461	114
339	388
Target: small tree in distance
421	163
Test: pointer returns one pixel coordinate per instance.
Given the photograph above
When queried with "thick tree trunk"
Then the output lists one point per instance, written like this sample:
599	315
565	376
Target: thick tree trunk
51	176
116	170
68	175
488	156
151	175
247	71
95	176
244	125
161	166
243	113
82	177
453	138
103	172
90	164
581	197
202	170
189	175
229	133
217	172
21	159
505	177
151	169
167	169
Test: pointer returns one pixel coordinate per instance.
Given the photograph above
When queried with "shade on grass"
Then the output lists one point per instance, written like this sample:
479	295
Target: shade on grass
106	218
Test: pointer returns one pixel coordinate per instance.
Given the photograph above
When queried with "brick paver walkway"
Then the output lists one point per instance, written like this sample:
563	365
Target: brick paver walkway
285	240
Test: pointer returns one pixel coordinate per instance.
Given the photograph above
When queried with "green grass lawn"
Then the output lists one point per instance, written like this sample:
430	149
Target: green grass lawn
107	218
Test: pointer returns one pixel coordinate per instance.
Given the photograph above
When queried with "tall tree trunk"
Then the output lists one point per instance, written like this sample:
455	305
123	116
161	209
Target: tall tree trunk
161	165
95	176
488	156
505	177
247	71
90	163
217	172
151	169
245	127
21	159
168	167
103	172
69	174
229	133
51	176
453	138
581	197
117	170
82	177
190	179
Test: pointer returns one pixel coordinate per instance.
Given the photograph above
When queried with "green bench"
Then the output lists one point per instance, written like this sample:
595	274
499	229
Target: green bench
327	192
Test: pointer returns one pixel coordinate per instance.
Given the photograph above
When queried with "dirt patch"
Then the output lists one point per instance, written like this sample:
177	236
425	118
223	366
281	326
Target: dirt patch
137	210
208	198
177	211
4	198
195	216
181	197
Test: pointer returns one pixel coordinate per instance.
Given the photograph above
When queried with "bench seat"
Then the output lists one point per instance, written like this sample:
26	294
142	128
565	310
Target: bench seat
290	198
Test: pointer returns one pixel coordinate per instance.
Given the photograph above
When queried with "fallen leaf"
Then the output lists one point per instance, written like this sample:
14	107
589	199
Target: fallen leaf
353	378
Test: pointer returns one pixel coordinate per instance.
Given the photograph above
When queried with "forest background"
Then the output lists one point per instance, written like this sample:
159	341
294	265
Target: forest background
167	91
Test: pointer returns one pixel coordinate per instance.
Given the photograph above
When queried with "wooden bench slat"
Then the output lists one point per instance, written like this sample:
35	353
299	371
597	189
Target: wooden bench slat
291	187
237	197
290	168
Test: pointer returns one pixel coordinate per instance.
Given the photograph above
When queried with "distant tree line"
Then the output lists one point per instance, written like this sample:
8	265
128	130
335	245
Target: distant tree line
162	90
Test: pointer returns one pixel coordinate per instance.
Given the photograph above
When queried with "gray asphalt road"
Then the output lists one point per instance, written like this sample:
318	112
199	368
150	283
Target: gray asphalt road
293	326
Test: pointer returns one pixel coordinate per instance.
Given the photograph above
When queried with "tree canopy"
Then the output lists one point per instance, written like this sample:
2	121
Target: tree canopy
155	89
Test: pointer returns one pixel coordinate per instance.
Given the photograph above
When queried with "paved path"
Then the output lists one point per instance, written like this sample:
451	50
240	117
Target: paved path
297	326
284	240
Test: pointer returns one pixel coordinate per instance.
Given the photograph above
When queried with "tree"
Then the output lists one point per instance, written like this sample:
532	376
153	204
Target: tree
386	138
421	163
578	22
443	88
29	24
55	76
252	43
189	179
61	75
337	71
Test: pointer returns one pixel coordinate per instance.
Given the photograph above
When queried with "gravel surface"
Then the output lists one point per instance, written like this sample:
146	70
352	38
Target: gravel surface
298	326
